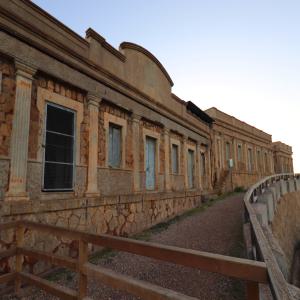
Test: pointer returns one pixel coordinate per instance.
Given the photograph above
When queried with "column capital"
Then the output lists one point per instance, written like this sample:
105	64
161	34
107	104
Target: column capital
93	99
166	130
24	69
136	118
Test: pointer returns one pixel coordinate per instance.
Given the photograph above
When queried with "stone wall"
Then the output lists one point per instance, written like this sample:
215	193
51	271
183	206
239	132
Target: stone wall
117	215
7	100
286	225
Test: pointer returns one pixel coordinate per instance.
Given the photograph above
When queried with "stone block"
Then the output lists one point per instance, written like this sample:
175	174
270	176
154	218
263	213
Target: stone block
261	213
111	199
272	189
283	187
297	182
291	185
267	198
277	186
131	198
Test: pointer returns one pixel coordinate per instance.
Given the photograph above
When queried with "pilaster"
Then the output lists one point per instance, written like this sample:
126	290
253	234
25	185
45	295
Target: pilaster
198	177
20	133
184	161
136	152
167	159
92	180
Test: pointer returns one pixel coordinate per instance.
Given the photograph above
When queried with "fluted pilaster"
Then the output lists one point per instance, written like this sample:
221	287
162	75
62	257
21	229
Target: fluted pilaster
92	180
20	133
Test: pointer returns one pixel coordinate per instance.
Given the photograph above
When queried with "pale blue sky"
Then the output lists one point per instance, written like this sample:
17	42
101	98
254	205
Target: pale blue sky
240	56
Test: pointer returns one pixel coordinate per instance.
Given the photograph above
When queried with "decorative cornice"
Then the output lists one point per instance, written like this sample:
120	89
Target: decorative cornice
45	14
105	77
127	45
256	131
91	33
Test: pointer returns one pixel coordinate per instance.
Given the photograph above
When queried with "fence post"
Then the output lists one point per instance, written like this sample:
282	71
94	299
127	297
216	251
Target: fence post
19	257
252	290
82	259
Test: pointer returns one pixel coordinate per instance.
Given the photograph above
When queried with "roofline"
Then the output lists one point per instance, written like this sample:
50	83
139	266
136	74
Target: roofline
213	107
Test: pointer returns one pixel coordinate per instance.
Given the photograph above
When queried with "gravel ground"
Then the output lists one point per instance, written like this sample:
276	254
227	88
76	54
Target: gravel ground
217	229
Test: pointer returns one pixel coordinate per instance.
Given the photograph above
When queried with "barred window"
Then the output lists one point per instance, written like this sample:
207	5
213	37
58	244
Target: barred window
59	149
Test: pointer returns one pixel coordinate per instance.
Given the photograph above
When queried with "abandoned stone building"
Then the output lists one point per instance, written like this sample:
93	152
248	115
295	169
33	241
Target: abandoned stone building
93	138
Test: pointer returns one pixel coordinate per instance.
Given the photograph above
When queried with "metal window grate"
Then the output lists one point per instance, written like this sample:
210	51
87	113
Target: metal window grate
59	149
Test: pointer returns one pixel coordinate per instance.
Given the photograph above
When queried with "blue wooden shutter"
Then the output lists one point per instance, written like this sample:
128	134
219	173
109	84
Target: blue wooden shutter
114	146
174	159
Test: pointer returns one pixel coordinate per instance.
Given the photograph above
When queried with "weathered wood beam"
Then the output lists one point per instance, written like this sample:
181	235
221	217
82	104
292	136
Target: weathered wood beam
53	259
7	277
139	288
50	287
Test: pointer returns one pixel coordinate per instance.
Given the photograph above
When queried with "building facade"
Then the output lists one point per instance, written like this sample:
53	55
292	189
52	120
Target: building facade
283	160
242	154
93	138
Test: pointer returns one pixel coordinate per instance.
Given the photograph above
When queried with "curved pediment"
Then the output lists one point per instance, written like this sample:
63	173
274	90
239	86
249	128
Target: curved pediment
132	46
144	71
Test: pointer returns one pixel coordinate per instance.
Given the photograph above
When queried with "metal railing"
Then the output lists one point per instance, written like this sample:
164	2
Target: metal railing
250	271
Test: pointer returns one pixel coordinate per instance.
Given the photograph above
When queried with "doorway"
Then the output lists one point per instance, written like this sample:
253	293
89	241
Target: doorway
150	163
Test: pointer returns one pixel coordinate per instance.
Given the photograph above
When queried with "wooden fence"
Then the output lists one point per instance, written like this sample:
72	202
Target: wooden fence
253	272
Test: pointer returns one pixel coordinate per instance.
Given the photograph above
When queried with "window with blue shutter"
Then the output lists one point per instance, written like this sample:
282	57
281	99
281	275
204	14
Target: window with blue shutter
202	164
175	169
114	150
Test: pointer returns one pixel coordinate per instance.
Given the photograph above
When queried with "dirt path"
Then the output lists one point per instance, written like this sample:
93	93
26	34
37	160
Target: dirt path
217	229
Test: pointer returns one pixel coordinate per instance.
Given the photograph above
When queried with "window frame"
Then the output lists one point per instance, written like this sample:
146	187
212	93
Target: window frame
178	144
239	152
110	163
175	166
192	148
48	103
202	165
108	119
250	160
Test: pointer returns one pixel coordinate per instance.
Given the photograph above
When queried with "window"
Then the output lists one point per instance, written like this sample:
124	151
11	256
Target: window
114	145
202	166
175	155
150	163
191	168
258	160
59	149
219	153
239	153
250	160
227	151
266	162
